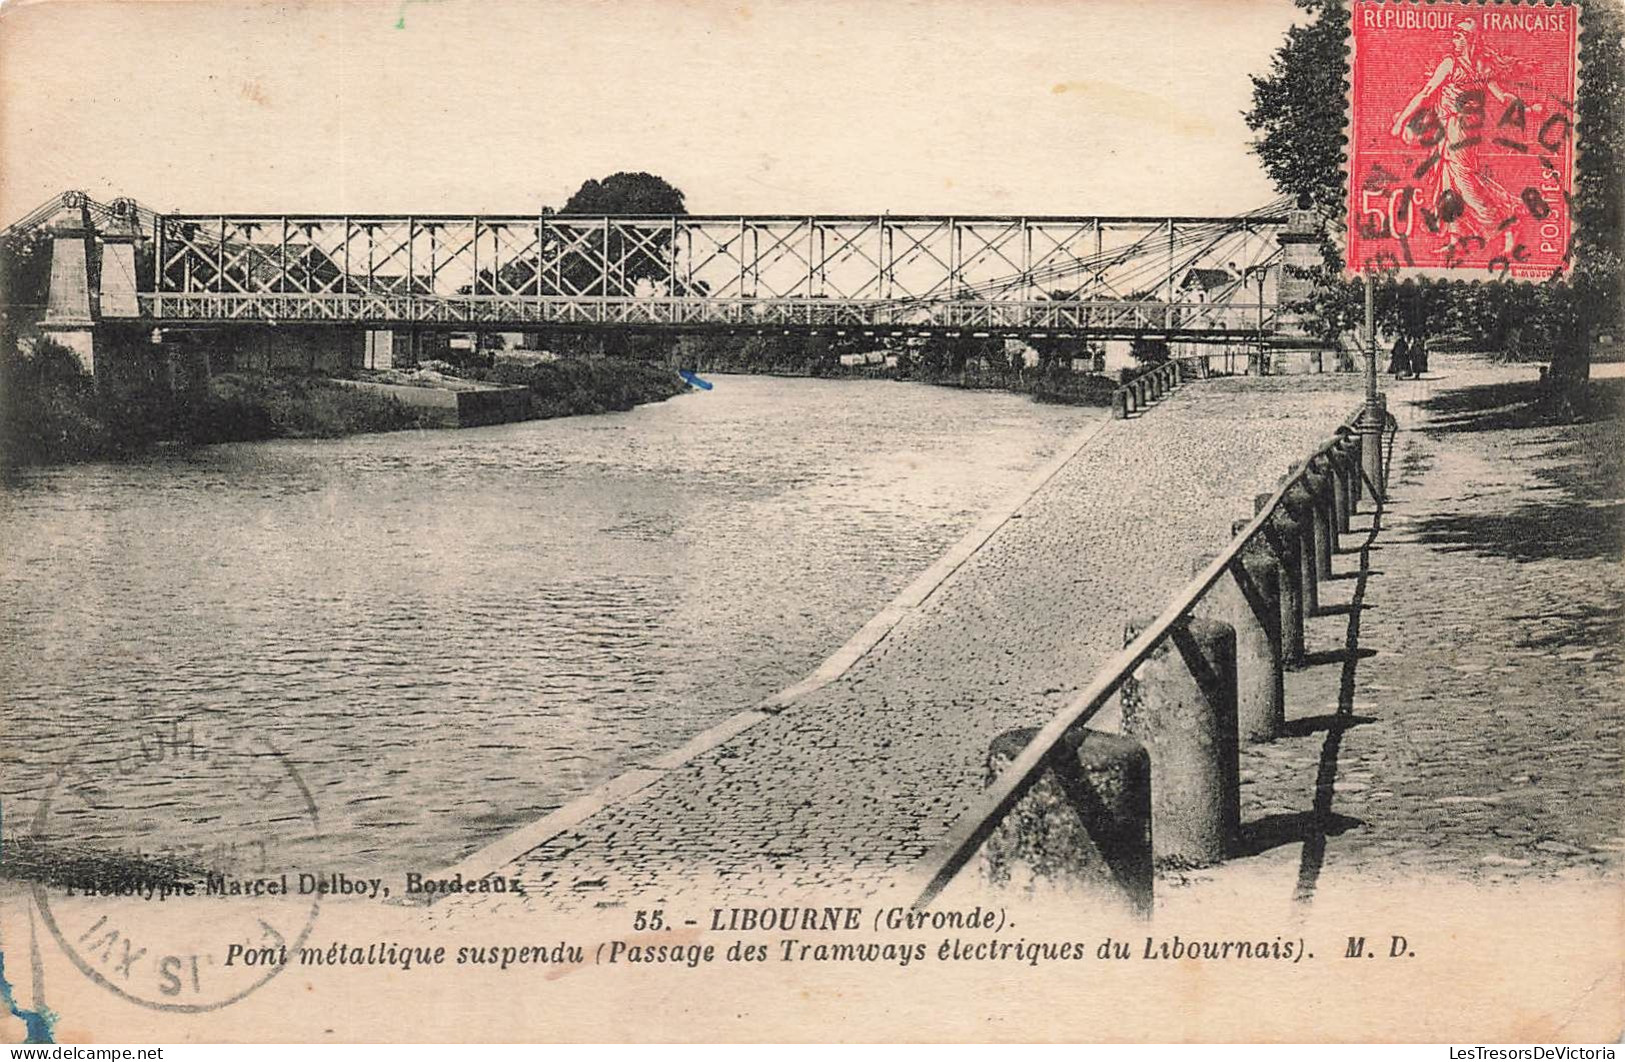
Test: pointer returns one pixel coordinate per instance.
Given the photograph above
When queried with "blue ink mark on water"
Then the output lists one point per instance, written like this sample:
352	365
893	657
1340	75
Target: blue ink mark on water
693	380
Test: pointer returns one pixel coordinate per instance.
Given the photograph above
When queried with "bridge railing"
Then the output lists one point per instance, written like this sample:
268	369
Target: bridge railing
1139	317
1337	459
840	257
1137	395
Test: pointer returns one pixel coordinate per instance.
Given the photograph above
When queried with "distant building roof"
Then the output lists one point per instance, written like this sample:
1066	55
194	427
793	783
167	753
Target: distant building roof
1207	279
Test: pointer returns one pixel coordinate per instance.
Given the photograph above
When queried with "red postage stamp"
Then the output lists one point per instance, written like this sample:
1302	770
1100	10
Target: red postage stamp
1461	138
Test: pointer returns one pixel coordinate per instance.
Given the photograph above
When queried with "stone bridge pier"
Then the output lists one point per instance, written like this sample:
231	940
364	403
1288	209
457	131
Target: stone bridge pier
1293	347
92	294
93	308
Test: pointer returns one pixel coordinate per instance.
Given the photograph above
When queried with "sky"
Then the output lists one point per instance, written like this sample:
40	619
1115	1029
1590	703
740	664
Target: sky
748	106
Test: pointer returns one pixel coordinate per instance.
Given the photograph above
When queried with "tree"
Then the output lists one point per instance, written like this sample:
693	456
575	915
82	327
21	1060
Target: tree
626	193
647	259
25	274
1148	352
1298	113
1592	297
1299	107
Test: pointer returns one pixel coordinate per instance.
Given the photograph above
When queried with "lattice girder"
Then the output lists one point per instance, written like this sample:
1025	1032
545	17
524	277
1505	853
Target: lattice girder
999	273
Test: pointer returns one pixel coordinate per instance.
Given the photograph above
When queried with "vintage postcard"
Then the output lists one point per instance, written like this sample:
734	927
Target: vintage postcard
672	520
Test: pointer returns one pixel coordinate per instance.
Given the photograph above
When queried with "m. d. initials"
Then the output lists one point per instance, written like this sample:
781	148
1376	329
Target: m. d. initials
1398	947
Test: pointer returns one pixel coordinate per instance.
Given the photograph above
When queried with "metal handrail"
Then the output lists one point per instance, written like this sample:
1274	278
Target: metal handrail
968	832
1111	318
1167	368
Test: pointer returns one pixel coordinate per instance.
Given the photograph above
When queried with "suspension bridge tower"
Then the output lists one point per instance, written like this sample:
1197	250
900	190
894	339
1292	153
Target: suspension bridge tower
69	317
93	273
1301	240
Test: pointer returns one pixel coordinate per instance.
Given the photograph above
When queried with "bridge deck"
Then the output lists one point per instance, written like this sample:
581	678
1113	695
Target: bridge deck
1196	321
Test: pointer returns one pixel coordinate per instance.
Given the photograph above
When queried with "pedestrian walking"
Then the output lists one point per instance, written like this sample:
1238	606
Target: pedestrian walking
1400	363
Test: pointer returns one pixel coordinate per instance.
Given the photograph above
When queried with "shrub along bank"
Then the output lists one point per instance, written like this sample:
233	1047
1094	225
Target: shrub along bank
242	407
591	385
52	412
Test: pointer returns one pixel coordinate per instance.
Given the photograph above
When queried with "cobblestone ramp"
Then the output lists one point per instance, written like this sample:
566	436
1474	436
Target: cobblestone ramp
858	779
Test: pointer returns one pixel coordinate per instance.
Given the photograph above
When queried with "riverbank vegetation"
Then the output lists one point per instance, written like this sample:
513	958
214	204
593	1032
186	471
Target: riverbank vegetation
1043	368
246	406
48	408
568	387
51	411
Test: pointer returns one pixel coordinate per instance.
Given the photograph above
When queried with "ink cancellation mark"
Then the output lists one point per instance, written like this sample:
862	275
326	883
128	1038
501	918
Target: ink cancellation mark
164	924
1461	139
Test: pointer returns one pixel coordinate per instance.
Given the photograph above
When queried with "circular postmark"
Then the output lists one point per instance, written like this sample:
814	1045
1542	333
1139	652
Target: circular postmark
169	865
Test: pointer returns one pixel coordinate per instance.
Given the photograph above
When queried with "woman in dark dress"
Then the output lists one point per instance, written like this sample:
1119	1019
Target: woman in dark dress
1400	363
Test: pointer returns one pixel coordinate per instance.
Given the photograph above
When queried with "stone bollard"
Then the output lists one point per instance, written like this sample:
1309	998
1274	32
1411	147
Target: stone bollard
1248	597
1355	478
1283	539
1120	404
1338	464
1318	482
1181	704
1085	825
1298	503
1350	449
1329	502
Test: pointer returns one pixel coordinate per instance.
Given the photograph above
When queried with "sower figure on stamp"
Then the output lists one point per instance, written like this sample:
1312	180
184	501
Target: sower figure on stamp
1448	115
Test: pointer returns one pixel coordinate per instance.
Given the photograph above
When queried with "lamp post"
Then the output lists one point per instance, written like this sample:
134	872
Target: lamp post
1374	417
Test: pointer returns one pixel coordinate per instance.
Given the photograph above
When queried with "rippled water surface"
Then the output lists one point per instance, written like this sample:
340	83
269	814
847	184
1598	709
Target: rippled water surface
450	633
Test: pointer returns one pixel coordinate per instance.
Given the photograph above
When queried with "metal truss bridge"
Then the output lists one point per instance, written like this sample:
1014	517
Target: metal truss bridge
1196	278
1199	279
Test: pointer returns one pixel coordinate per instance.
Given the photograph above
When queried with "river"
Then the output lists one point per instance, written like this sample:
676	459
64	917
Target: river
447	634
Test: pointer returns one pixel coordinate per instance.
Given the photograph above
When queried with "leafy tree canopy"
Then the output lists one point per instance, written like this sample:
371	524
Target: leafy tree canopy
1299	107
626	193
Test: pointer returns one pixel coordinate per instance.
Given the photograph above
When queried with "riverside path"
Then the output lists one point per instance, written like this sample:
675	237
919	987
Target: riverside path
1476	732
844	784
